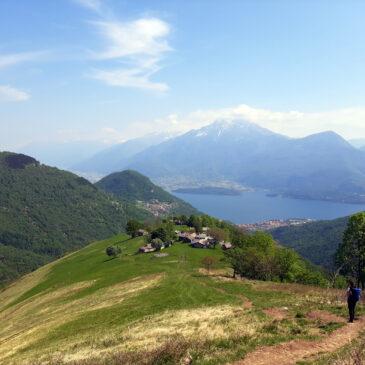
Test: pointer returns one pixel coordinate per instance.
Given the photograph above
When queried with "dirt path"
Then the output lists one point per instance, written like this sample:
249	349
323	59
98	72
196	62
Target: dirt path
325	317
289	353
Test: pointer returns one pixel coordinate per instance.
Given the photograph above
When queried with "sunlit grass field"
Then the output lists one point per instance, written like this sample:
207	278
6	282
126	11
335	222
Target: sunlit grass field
139	308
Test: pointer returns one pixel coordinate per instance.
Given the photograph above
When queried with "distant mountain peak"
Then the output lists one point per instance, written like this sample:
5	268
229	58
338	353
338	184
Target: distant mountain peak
241	123
235	128
328	137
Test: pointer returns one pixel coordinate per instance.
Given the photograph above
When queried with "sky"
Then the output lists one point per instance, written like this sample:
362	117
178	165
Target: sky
111	70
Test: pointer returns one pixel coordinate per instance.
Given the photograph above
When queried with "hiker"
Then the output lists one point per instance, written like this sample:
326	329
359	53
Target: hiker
353	296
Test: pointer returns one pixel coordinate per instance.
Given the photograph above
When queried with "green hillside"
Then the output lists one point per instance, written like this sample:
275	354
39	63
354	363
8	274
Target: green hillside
137	188
316	241
45	212
141	309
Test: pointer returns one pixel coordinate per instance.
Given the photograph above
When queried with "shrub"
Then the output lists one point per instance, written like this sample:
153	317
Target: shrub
113	251
209	262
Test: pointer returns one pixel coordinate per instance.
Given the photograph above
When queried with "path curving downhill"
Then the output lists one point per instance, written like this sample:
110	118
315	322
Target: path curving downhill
289	353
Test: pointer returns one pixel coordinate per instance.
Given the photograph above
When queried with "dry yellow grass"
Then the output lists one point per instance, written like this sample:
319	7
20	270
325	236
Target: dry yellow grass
201	324
32	319
16	289
13	291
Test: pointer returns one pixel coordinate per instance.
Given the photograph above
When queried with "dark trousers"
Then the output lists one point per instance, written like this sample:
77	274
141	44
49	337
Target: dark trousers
351	304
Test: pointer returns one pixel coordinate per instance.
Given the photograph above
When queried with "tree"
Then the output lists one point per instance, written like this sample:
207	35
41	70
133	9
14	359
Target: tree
257	256
218	234
133	226
113	251
166	232
157	244
253	256
183	219
209	262
351	252
195	222
285	264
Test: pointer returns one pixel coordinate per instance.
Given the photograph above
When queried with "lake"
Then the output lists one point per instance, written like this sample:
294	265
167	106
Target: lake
252	207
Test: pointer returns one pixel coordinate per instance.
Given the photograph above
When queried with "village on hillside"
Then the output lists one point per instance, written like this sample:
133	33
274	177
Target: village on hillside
191	237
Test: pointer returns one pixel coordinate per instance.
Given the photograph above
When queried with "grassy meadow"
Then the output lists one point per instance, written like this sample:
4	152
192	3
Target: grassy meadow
141	309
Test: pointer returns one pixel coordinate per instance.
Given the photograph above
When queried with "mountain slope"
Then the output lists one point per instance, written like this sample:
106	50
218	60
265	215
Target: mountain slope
116	158
45	212
138	189
358	142
320	166
216	151
124	310
315	241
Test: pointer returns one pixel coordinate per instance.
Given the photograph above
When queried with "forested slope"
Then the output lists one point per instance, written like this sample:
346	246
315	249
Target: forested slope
45	212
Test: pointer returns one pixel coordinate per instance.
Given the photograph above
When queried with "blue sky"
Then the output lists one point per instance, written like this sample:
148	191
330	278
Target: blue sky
112	69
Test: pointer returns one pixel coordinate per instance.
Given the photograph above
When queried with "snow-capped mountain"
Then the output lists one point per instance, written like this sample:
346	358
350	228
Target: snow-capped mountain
322	165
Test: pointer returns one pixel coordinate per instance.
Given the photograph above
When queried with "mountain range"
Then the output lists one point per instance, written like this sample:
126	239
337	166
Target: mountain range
320	166
116	157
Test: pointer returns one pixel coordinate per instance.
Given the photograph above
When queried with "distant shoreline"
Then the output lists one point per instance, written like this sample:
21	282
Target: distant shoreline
208	190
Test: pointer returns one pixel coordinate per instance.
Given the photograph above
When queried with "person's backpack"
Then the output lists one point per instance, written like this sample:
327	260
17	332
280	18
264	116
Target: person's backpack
356	292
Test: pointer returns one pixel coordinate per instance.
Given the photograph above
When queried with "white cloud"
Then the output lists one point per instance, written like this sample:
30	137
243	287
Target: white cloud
8	60
8	93
138	47
141	45
348	122
142	37
136	78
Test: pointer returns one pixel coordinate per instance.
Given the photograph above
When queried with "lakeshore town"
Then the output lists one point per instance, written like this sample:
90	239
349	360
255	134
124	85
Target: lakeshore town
274	223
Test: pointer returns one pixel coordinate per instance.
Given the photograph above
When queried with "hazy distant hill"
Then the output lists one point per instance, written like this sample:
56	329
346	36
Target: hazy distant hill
45	212
358	142
316	241
62	154
320	166
117	157
135	187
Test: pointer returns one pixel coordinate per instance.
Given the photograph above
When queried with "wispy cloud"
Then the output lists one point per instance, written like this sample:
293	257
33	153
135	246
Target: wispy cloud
137	47
142	38
132	77
8	93
8	60
94	5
